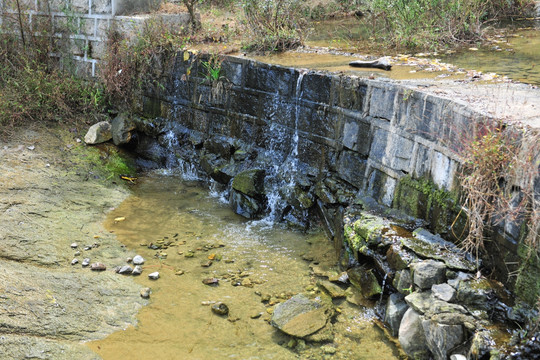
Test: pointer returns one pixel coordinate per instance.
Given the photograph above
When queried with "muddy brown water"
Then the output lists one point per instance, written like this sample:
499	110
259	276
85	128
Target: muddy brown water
178	323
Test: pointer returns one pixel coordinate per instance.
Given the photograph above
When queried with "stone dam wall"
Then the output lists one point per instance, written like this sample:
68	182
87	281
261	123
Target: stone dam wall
356	137
375	160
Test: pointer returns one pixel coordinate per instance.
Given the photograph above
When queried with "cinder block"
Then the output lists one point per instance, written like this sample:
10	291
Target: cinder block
381	104
79	7
102	6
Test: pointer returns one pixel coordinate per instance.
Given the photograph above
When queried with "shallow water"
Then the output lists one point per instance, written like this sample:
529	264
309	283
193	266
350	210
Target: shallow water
515	54
176	324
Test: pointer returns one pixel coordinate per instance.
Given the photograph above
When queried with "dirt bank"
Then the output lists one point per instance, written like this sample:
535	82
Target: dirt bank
49	199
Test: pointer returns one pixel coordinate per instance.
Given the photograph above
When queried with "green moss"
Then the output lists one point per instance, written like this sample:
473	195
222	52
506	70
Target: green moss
421	198
528	279
103	161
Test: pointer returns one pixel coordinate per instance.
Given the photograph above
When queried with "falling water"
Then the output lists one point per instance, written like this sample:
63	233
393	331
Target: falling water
281	176
173	163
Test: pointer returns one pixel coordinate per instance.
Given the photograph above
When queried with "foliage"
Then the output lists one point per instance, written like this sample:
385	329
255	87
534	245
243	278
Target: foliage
275	25
131	64
500	166
430	23
191	6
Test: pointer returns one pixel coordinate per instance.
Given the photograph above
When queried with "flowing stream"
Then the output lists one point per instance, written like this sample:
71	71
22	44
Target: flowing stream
260	260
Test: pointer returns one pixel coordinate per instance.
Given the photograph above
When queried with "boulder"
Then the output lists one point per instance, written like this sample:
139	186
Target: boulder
244	205
412	336
365	281
441	338
122	128
249	182
427	273
403	281
395	309
98	133
333	290
299	316
444	292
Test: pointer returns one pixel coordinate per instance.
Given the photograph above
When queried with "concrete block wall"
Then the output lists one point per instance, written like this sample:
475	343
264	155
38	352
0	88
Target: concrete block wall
83	24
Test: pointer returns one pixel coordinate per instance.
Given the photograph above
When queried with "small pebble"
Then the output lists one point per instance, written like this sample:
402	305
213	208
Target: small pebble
125	270
74	245
137	270
77	253
74	261
145	293
220	309
128	260
153	276
86	262
179	272
98	267
138	260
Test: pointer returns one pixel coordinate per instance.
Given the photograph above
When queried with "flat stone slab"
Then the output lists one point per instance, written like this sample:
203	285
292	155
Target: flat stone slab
299	316
430	246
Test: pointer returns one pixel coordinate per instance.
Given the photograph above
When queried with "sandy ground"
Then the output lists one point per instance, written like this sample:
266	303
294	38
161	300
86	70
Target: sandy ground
48	307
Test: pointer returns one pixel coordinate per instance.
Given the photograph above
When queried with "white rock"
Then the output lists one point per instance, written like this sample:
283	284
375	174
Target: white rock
98	133
153	276
138	260
74	261
86	262
137	270
74	245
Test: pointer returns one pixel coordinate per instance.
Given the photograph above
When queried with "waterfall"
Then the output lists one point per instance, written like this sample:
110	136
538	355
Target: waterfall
174	164
281	176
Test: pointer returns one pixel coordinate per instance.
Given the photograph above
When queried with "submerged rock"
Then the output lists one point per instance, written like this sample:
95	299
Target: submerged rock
220	309
299	316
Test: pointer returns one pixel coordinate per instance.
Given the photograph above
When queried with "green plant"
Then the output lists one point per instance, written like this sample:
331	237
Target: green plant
434	23
137	63
500	167
275	25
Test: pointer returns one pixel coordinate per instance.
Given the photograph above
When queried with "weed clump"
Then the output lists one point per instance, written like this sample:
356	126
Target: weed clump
429	24
275	25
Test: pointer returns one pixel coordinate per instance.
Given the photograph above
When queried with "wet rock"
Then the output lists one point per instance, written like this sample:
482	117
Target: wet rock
220	308
138	260
125	270
363	230
444	292
403	282
210	281
85	262
98	267
250	182
395	309
365	281
145	293
246	282
74	261
122	128
431	246
333	290
428	273
220	145
98	133
154	275
399	258
412	337
244	205
323	193
207	263
441	338
342	278
328	349
477	293
299	316
137	270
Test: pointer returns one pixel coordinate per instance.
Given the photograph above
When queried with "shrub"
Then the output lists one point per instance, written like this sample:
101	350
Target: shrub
131	64
428	23
275	25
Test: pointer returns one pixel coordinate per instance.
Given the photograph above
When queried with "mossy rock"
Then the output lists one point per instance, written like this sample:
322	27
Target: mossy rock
528	280
249	182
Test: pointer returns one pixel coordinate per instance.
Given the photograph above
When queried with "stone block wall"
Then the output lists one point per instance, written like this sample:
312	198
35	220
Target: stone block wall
377	138
81	25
